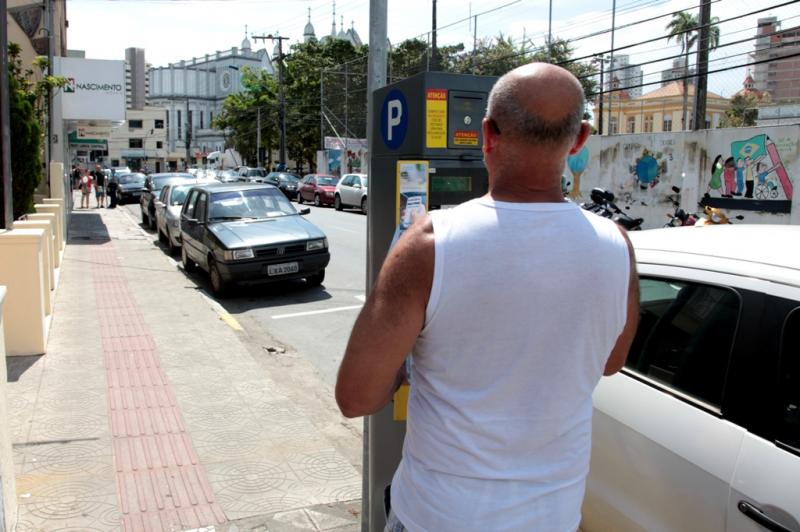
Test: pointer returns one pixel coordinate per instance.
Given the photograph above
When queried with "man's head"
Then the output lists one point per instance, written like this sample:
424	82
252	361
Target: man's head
98	167
534	117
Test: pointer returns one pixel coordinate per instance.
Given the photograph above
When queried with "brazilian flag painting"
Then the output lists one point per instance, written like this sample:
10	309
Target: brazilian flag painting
753	147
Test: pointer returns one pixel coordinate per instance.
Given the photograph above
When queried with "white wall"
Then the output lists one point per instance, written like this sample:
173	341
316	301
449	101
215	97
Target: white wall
685	159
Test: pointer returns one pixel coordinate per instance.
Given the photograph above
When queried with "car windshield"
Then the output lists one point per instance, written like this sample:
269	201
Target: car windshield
160	181
327	181
131	178
288	179
178	194
254	204
256	172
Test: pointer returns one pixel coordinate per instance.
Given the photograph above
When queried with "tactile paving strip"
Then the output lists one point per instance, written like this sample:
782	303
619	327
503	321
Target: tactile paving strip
160	482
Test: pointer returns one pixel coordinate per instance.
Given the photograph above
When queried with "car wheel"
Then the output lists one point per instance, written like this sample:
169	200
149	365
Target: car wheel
162	237
299	199
188	263
364	205
337	202
317	201
316	279
218	285
173	249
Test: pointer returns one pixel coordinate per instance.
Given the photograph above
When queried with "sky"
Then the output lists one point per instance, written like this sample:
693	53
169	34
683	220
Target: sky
171	30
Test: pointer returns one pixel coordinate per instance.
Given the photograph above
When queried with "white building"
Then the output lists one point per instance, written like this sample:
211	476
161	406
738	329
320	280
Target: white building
141	142
622	74
192	93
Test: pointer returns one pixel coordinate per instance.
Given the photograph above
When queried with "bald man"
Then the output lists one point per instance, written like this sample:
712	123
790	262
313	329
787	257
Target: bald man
513	306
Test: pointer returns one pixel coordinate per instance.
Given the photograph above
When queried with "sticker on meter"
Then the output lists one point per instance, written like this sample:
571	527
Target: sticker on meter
465	138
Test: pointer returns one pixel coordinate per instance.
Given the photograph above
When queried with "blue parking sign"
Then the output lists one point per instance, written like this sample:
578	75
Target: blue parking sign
394	119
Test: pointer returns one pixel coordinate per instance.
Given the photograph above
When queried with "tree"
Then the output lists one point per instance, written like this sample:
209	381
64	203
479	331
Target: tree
684	28
743	111
26	119
491	57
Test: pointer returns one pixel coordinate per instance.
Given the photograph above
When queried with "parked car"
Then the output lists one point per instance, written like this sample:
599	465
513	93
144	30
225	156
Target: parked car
351	191
130	187
249	233
701	429
152	188
168	213
252	175
120	170
286	183
229	176
319	188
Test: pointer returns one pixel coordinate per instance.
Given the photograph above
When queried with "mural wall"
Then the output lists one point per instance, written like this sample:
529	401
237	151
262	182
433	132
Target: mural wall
746	171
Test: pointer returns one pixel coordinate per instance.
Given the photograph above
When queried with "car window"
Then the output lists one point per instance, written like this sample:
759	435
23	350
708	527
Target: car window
191	204
789	387
347	181
257	203
200	210
685	336
178	194
162	197
328	181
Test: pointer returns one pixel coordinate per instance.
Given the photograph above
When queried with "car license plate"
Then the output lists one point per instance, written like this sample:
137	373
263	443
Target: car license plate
283	269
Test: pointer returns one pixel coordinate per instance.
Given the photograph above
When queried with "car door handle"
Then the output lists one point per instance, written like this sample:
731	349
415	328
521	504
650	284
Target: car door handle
756	514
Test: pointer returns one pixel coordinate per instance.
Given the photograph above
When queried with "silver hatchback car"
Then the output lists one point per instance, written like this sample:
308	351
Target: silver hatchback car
168	213
351	191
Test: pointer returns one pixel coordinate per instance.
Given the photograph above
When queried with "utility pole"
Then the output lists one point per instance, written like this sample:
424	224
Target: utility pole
549	32
48	145
346	110
258	137
281	98
602	94
5	131
611	64
701	84
434	48
322	109
188	131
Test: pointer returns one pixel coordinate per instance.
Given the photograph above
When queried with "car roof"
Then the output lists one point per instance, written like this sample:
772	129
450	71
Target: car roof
173	174
216	186
765	251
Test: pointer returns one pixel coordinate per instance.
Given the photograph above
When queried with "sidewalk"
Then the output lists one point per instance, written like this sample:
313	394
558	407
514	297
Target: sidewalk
149	412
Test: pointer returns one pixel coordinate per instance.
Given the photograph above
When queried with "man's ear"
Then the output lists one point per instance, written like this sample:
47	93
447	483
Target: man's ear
580	140
489	136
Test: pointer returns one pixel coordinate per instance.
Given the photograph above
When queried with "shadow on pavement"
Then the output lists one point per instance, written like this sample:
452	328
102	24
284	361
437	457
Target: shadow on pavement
87	228
17	366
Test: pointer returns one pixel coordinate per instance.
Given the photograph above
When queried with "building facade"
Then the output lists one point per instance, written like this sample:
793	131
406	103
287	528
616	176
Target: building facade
677	72
658	111
773	71
623	75
137	78
141	142
192	93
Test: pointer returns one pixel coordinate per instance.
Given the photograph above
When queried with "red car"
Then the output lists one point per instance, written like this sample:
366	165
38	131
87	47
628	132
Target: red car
318	188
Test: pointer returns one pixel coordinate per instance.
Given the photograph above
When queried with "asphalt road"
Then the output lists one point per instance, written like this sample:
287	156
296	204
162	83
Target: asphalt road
313	322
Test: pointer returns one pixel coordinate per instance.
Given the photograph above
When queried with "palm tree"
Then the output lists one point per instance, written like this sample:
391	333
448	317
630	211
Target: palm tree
684	28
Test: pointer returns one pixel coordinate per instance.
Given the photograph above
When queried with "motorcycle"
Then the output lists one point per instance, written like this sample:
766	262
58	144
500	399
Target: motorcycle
602	204
714	216
680	217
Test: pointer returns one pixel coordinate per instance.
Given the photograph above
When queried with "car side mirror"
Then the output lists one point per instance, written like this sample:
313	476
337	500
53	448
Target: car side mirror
304	211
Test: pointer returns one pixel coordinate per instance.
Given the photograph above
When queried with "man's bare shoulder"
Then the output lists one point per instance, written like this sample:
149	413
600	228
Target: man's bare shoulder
409	265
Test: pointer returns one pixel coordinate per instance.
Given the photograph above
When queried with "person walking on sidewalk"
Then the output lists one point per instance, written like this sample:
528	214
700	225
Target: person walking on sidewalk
111	191
498	431
99	186
86	190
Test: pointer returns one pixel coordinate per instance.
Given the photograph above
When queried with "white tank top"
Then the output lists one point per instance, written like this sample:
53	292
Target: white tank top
527	301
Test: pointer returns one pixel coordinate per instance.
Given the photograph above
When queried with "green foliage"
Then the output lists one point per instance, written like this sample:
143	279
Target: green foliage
27	115
743	111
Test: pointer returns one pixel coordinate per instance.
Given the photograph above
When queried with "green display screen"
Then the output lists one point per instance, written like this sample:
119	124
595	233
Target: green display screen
451	184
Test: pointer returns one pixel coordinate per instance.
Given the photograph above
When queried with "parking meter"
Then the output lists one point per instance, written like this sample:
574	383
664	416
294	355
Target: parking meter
425	154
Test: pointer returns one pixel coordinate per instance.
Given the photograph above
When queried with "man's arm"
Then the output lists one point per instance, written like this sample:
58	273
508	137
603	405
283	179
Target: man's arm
620	351
388	325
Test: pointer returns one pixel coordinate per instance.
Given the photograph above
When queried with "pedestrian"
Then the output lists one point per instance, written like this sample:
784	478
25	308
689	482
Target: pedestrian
111	191
503	367
99	186
76	176
86	190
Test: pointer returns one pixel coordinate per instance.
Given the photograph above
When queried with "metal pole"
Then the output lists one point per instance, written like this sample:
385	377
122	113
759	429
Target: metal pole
376	78
346	98
602	94
701	84
258	138
48	20
550	31
188	131
434	50
475	41
611	61
5	132
282	102
322	109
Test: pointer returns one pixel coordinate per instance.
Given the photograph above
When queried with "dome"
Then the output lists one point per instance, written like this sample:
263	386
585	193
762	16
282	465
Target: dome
308	31
246	44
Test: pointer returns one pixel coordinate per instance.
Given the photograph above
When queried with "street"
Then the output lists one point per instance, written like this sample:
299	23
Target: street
316	322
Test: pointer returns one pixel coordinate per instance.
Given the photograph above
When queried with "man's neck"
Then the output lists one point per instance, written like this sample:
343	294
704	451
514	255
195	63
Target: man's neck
516	191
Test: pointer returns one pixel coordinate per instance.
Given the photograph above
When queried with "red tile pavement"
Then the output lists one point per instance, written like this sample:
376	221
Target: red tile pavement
160	482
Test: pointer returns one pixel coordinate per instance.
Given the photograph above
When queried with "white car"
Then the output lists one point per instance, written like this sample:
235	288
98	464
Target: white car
168	213
701	429
351	191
